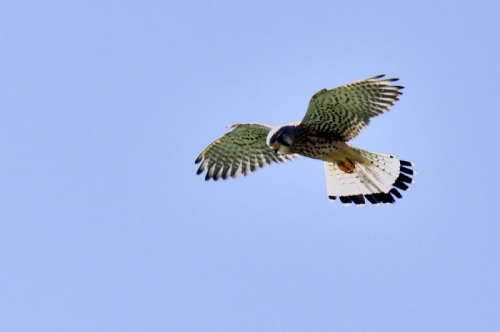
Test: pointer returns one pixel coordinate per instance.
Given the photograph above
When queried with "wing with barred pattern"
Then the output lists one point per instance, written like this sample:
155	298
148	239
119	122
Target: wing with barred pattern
344	111
240	151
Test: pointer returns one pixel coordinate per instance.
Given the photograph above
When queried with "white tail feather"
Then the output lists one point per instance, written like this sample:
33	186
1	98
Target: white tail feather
374	182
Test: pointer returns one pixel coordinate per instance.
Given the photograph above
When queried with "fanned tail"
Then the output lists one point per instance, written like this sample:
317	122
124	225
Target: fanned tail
378	183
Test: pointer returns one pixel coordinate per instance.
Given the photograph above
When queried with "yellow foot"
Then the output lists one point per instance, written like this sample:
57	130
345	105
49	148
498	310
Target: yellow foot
347	166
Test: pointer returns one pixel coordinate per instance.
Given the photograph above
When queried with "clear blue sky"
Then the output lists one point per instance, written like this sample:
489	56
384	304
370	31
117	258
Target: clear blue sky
104	226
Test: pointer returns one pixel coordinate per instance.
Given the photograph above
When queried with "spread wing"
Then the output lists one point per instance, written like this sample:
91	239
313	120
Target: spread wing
345	110
239	152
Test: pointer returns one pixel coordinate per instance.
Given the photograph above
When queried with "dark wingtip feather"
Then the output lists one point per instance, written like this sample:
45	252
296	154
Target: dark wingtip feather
406	163
385	198
345	199
396	193
197	161
390	198
405	178
406	170
358	200
372	199
332	198
225	173
200	170
401	185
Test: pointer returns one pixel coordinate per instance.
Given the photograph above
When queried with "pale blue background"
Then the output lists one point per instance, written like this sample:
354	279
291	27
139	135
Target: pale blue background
104	226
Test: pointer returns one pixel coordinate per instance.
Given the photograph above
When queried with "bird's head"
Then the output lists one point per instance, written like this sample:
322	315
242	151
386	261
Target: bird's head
280	138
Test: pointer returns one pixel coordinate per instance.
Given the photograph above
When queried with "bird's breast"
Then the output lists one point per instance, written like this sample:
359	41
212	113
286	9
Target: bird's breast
322	148
330	150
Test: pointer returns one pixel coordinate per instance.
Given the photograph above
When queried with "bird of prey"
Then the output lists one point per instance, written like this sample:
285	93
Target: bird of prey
333	117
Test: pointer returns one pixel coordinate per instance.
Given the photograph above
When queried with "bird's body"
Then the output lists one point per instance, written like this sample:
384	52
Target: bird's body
323	147
333	117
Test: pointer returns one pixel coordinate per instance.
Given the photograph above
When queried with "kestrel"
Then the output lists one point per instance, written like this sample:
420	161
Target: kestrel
333	117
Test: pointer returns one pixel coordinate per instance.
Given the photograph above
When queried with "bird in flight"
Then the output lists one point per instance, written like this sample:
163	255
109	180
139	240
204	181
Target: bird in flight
333	117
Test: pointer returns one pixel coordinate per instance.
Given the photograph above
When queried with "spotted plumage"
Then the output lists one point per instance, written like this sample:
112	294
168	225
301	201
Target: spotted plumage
239	152
333	117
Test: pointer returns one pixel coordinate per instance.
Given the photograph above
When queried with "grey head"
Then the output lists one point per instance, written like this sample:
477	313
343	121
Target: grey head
280	138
